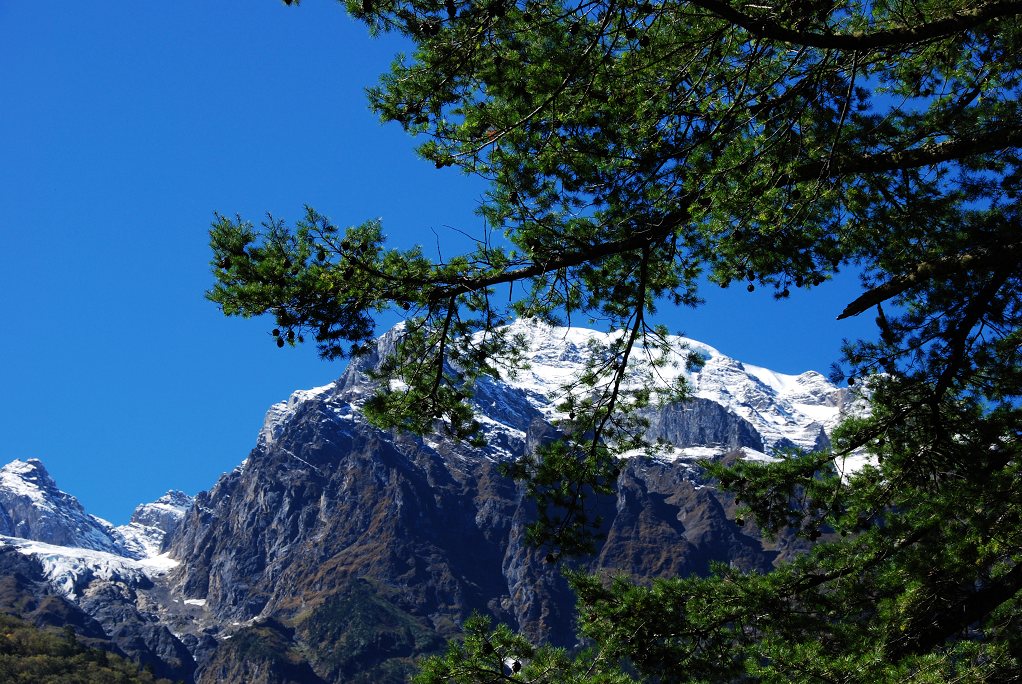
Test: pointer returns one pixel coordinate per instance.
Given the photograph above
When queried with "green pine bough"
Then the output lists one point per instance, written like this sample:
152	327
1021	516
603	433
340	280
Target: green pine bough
634	149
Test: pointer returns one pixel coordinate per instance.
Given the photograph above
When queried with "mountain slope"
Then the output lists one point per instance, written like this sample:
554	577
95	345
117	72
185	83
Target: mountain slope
64	566
327	502
338	552
32	507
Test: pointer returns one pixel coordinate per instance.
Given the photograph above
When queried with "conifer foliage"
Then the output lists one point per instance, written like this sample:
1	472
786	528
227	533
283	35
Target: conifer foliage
634	148
33	655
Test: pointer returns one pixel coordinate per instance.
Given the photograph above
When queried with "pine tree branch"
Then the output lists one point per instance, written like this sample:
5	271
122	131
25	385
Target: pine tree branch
620	372
991	141
957	345
1006	254
900	37
441	356
969	610
588	254
622	369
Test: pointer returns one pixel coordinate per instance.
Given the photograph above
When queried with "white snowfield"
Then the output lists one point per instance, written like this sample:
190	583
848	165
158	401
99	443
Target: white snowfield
782	408
70	569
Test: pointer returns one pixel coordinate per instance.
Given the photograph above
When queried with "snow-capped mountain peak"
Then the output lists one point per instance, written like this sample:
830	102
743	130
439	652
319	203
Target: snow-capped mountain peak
165	513
278	413
32	507
153	522
758	409
29	479
786	410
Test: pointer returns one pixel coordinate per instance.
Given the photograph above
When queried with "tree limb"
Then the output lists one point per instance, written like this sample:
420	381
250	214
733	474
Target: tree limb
883	38
972	608
926	155
929	270
592	253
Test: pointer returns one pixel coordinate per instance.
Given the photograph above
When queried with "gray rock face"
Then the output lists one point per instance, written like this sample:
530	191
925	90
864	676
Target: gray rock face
165	513
703	422
139	633
152	524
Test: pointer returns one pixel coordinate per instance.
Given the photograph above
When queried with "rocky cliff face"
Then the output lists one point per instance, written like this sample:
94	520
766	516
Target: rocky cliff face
152	524
338	552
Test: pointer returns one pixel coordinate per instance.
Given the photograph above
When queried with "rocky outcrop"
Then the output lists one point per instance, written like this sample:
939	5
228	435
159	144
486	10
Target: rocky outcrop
120	607
702	422
164	514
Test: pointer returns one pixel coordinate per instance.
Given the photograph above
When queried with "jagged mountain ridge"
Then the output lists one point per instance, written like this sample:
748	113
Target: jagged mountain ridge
33	507
330	518
783	410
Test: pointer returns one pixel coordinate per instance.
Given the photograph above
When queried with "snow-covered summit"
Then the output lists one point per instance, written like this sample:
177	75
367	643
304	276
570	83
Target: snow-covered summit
786	410
153	522
165	513
32	507
28	479
278	413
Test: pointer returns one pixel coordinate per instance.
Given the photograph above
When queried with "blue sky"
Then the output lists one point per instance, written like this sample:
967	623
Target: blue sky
123	127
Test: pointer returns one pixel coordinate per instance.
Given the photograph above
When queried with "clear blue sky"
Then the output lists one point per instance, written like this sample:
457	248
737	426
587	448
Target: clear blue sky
123	127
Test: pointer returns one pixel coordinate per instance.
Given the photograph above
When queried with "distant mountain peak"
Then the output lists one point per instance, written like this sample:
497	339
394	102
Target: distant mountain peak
152	523
174	504
33	508
30	475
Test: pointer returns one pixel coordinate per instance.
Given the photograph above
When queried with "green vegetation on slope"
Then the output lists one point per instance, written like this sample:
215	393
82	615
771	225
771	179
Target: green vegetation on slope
360	637
47	656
